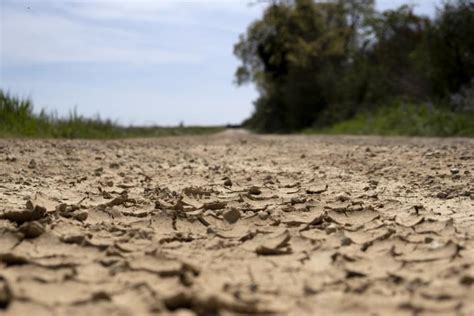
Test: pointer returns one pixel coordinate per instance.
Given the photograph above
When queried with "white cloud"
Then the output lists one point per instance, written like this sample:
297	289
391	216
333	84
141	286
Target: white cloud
175	11
30	38
210	14
104	31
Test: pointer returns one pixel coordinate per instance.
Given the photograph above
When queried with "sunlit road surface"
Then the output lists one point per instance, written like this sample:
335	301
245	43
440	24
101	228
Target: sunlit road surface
236	223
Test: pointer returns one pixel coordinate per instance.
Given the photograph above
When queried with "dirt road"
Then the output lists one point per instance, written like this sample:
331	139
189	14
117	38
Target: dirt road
237	224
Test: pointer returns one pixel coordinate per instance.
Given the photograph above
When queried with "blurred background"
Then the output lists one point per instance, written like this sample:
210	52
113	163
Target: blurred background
355	66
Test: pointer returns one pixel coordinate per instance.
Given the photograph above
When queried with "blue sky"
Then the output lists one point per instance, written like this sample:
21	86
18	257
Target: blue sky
137	62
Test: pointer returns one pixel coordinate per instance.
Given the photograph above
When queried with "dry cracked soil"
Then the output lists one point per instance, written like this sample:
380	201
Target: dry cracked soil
237	224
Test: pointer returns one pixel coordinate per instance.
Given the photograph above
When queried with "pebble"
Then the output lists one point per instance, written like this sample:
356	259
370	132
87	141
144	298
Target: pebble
32	164
254	190
263	215
441	195
373	183
10	159
81	215
346	241
331	229
454	170
232	215
343	197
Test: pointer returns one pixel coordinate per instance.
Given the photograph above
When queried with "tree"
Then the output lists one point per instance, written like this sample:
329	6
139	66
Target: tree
395	55
450	45
295	55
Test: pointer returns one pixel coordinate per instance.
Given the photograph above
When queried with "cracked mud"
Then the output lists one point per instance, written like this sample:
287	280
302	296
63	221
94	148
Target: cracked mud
237	224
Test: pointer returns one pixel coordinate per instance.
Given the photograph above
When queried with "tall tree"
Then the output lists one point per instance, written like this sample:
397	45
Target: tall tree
451	47
295	55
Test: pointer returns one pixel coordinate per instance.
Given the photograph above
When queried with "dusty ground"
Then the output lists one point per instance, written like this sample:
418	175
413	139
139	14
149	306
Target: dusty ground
237	224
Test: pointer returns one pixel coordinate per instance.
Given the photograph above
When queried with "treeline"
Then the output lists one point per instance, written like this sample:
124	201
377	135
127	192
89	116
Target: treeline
319	63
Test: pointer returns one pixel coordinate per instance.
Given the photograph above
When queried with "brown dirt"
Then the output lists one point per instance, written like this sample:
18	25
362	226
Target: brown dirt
237	224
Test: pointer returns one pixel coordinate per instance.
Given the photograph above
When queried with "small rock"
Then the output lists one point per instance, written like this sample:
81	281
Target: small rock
288	208
343	197
32	164
228	182
232	215
373	183
317	190
32	229
331	228
214	205
98	171
114	165
441	195
297	200
66	210
346	241
467	280
115	213
263	215
81	215
370	152
210	230
254	190
10	159
454	170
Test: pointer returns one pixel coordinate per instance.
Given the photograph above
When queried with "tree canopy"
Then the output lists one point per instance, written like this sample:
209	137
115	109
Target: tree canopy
319	62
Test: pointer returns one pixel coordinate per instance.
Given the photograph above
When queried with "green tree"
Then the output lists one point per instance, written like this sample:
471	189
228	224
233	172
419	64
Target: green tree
396	54
450	45
295	55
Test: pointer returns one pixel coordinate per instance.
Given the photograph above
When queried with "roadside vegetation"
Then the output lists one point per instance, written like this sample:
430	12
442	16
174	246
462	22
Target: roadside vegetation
403	119
17	119
342	66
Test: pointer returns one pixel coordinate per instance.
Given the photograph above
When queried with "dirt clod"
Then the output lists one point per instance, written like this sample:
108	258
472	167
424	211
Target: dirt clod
30	213
317	190
254	190
32	229
32	164
232	215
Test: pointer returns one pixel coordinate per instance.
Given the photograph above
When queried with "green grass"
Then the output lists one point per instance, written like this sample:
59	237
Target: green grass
404	120
17	119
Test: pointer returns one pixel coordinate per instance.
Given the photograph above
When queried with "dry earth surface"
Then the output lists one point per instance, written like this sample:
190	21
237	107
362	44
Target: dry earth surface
237	224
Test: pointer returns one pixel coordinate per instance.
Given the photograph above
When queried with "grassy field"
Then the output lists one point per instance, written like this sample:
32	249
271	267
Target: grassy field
404	120
17	119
